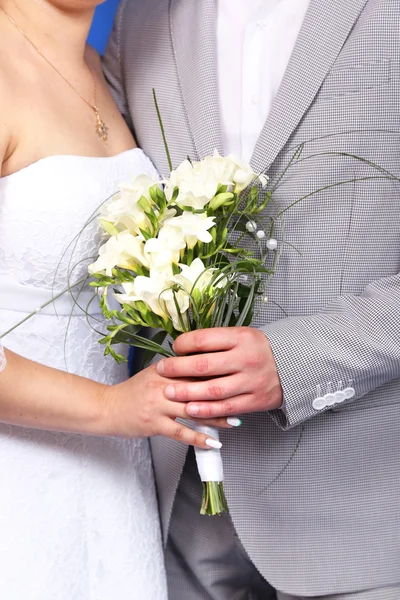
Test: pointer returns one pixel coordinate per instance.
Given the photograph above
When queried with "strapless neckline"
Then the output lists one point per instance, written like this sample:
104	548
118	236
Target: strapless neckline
69	158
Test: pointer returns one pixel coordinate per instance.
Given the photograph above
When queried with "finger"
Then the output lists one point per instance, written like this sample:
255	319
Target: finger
206	340
224	408
212	389
177	410
185	435
220	423
199	365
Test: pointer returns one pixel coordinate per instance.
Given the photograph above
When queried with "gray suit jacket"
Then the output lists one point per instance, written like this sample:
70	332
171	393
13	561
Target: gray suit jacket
313	490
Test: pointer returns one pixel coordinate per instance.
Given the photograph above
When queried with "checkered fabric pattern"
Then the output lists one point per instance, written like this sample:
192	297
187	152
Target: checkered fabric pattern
325	520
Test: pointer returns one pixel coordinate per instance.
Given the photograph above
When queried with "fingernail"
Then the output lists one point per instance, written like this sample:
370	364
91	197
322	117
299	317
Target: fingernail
160	367
193	410
233	422
170	392
214	444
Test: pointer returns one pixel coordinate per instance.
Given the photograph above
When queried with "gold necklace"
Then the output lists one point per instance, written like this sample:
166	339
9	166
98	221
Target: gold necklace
101	127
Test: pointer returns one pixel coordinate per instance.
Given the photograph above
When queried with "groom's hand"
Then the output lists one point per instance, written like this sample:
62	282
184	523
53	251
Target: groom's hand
233	372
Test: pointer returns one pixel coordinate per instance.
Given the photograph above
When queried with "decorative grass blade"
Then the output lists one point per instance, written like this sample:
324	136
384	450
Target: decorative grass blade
160	121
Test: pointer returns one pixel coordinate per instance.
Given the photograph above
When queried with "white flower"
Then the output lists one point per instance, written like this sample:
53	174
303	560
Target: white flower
182	299
199	181
194	227
230	170
156	292
197	186
146	289
197	276
123	210
124	250
165	249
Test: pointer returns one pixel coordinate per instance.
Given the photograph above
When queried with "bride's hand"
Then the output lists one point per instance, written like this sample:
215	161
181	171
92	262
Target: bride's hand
139	408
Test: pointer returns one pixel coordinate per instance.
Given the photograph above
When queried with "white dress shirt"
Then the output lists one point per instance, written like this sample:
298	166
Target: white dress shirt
255	39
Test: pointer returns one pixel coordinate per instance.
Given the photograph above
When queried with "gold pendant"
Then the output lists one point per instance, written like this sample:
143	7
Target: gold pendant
101	127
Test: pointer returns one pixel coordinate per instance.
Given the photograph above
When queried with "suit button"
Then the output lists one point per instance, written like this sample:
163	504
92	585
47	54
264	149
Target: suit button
340	397
319	403
330	399
349	393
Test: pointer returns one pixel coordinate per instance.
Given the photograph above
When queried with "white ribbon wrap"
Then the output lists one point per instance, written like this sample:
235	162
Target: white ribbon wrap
209	462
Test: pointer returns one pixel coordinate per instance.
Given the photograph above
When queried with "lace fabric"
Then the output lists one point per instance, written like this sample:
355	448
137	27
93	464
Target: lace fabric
78	514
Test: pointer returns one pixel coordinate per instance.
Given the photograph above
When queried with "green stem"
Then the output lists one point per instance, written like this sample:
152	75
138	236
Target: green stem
214	501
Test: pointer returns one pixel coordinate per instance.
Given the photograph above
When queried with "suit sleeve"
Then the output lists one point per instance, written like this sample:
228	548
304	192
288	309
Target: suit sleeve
339	355
113	64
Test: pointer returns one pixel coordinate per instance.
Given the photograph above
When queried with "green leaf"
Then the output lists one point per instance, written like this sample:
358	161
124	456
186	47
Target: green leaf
175	269
251	200
145	234
140	342
103	277
104	308
219	200
153	220
109	227
123	318
158	338
160	195
187	208
153	194
117	357
144	204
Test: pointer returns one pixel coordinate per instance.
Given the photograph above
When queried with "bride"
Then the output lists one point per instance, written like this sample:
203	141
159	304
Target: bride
78	513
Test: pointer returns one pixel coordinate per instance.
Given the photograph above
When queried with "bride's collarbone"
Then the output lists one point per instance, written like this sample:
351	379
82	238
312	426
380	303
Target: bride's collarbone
47	118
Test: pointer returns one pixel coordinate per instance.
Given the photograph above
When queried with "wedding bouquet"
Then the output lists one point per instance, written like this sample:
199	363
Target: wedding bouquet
175	261
192	251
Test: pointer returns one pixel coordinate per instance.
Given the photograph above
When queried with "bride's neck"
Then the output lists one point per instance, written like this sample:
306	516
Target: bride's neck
59	33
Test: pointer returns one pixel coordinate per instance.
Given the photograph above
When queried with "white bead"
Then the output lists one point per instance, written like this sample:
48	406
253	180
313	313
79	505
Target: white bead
272	244
330	399
340	397
319	403
260	234
265	299
251	226
349	392
37	310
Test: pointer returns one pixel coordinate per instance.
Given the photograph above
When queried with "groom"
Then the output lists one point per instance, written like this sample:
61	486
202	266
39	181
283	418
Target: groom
313	474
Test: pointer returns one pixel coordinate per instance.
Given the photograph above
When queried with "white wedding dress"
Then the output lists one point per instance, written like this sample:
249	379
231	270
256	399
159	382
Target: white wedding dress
78	514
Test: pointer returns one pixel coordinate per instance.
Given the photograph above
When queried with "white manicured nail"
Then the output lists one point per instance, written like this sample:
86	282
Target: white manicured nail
233	422
214	444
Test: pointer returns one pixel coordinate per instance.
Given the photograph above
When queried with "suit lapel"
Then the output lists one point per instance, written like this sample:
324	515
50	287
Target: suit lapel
193	33
325	29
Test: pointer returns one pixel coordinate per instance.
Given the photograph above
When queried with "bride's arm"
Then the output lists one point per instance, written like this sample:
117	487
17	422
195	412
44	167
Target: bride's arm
32	395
